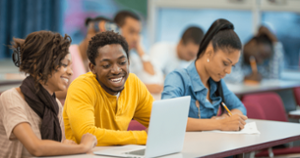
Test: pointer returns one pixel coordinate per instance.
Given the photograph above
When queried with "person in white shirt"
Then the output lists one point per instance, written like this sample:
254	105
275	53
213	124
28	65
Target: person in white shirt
130	26
170	56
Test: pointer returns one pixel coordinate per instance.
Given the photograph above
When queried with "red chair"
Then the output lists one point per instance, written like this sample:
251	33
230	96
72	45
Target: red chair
135	126
297	95
268	106
296	113
254	110
271	105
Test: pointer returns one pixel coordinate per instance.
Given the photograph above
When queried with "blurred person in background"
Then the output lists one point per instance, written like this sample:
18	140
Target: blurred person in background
268	54
130	25
170	56
78	52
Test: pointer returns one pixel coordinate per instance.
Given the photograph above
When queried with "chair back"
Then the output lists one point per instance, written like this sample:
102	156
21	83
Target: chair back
135	126
254	110
270	103
297	95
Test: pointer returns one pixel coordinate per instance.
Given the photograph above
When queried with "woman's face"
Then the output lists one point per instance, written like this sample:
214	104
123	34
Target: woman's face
220	61
59	80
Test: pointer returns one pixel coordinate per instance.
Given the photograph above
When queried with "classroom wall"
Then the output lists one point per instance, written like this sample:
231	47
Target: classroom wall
76	11
20	17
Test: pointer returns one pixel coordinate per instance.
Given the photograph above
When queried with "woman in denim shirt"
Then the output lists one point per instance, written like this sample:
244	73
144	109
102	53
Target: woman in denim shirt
219	50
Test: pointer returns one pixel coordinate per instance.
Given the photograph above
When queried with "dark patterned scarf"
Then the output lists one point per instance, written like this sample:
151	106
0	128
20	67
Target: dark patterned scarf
45	105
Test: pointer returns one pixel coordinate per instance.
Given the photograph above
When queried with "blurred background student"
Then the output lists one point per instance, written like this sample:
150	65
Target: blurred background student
78	52
140	64
267	52
170	56
162	57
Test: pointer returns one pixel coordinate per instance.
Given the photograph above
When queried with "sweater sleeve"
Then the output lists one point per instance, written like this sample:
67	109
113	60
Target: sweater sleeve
145	100
80	113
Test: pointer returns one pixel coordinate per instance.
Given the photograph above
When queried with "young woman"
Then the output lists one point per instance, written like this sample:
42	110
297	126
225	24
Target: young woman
220	49
31	120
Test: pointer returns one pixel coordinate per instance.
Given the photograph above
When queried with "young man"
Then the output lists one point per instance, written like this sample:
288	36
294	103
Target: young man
78	52
168	57
140	64
104	101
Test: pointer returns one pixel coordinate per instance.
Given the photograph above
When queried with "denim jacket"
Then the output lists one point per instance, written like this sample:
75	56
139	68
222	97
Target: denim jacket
187	82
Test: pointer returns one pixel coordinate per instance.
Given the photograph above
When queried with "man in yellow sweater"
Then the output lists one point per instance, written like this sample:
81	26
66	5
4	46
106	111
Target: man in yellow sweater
104	101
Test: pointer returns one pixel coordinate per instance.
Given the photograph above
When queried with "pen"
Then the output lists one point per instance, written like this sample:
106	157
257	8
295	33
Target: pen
253	64
229	113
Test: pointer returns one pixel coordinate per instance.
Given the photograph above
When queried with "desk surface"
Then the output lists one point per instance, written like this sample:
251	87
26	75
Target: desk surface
289	79
265	85
209	144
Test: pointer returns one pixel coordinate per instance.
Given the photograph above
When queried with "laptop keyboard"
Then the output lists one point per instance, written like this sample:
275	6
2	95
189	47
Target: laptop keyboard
137	152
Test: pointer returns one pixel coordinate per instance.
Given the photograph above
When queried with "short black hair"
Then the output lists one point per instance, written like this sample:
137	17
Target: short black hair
102	39
221	35
96	19
122	15
192	34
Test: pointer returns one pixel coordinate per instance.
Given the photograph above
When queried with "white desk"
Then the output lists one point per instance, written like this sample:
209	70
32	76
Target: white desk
208	144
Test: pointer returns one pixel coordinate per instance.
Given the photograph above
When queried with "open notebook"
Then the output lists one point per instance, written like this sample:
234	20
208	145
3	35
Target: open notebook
250	128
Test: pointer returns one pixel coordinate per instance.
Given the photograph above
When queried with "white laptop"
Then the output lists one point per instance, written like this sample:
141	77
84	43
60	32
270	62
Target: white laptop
166	131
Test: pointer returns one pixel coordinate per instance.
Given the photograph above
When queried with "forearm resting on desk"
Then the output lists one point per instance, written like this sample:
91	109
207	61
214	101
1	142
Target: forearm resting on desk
107	137
38	147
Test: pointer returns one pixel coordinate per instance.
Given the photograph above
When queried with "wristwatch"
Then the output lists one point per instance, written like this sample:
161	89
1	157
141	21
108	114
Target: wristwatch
145	58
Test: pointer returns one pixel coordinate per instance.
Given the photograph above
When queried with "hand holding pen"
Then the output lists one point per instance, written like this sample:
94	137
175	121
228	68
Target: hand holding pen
234	122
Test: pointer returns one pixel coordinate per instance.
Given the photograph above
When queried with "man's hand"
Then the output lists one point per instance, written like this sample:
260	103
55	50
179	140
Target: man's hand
254	77
140	50
155	88
266	31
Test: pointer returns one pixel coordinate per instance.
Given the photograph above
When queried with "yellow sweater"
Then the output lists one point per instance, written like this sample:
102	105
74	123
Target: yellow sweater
90	109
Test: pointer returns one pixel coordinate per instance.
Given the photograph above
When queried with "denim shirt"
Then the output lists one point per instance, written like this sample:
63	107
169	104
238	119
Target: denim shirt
187	82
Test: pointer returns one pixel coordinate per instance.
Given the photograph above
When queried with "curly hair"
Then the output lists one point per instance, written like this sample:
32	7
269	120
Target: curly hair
40	54
102	39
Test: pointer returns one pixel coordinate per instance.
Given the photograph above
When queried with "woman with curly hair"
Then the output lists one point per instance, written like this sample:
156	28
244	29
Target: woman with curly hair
31	120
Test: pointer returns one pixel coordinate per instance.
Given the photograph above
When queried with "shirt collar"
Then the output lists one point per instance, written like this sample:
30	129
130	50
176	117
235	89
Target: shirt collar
195	78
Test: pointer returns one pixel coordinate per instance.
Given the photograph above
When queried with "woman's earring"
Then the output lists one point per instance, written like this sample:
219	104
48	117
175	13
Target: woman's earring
207	60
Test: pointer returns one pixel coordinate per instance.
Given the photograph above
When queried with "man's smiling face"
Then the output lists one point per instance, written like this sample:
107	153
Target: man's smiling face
111	68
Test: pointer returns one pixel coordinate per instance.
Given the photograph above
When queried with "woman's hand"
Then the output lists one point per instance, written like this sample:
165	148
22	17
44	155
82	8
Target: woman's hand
235	122
69	142
88	141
